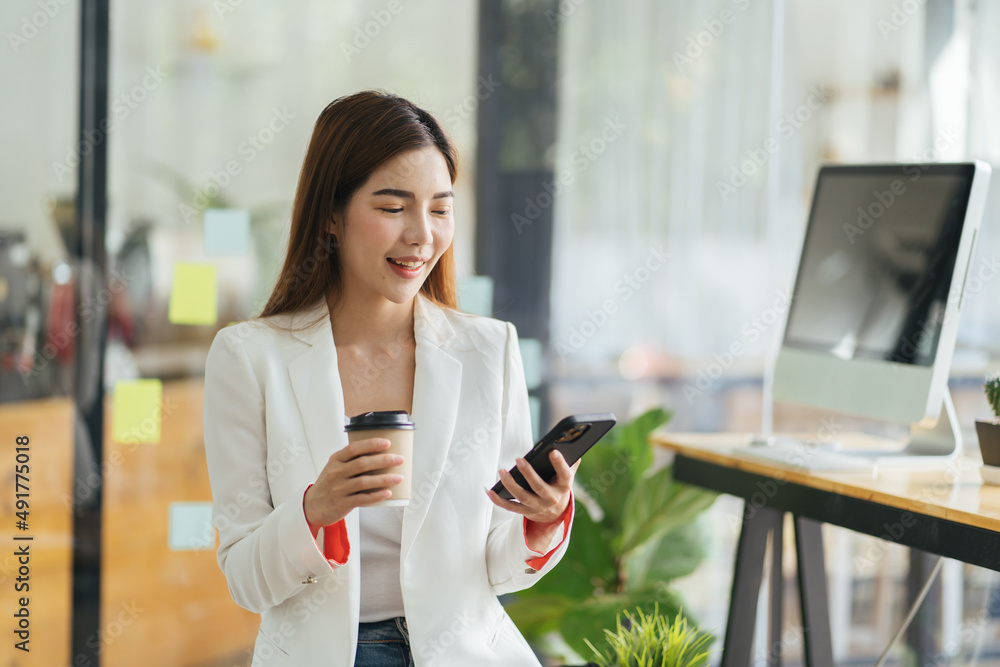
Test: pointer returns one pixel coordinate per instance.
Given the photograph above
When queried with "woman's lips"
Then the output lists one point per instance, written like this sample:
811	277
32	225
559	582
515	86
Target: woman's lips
403	271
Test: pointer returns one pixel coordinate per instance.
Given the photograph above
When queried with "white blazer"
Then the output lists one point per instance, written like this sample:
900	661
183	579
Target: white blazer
274	411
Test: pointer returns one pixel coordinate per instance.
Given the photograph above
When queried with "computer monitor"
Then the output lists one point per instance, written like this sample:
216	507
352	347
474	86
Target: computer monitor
874	311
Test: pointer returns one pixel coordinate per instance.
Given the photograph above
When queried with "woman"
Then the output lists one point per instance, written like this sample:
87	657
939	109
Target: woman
364	318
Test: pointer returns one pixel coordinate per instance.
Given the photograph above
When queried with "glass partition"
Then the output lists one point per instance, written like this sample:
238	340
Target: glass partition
38	336
213	105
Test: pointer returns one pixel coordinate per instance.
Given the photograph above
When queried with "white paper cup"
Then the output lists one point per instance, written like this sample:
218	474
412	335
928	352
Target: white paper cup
396	427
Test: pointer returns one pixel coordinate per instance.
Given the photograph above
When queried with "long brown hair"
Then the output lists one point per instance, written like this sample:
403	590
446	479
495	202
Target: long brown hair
353	136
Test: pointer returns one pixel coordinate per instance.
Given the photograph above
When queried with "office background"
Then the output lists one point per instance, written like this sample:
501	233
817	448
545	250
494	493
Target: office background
634	181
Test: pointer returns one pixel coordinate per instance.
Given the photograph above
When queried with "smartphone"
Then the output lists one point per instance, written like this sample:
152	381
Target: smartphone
572	436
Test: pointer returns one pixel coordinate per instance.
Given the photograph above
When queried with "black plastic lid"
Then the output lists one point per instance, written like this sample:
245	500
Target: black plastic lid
383	419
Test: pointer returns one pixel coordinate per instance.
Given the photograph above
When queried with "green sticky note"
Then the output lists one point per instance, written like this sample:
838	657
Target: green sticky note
191	527
136	412
193	294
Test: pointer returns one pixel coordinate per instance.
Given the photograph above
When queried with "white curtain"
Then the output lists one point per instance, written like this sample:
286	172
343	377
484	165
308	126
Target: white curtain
979	328
725	109
694	86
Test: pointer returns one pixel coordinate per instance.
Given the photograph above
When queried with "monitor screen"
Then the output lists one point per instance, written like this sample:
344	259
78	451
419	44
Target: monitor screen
877	261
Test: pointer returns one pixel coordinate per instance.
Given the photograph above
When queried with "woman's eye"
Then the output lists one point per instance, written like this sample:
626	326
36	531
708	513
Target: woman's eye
388	209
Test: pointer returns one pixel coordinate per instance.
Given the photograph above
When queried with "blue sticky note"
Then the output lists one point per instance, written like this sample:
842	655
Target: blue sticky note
227	231
191	527
475	295
531	359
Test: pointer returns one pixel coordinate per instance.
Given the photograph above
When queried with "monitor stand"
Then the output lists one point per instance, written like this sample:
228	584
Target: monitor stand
927	446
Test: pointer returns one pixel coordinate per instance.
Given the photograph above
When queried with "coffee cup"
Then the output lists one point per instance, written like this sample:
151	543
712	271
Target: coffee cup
396	427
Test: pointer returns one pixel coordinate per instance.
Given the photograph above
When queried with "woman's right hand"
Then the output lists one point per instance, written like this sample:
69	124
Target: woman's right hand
342	484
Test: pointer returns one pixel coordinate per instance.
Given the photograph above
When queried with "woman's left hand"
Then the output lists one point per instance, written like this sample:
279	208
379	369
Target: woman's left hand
548	501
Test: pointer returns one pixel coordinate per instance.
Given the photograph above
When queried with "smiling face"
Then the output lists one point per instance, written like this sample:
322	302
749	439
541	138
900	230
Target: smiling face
396	227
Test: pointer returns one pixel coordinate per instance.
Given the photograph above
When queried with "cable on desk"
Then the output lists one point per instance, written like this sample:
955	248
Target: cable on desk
913	611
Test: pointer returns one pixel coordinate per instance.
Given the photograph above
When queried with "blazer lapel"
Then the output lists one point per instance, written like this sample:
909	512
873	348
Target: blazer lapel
315	380
437	386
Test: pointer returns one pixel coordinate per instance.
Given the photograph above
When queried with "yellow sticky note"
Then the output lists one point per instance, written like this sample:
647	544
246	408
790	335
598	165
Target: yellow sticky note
135	411
193	294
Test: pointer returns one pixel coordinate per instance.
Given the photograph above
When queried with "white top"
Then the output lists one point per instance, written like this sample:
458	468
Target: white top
381	535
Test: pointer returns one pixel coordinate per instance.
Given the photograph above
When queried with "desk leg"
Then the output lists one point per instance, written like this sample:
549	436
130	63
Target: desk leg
776	595
921	635
758	524
812	593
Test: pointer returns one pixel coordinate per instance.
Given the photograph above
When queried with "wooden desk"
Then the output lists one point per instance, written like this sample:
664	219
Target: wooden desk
948	512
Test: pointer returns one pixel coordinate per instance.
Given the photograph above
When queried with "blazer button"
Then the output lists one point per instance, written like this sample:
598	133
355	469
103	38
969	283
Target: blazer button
531	570
310	580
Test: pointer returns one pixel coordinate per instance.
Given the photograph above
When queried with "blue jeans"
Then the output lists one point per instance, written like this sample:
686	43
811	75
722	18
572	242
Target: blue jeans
384	644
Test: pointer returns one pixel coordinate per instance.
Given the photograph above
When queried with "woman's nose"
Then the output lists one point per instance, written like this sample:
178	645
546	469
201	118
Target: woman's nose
418	230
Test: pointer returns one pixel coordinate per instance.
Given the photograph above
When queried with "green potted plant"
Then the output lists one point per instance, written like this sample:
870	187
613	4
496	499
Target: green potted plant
633	533
989	432
652	641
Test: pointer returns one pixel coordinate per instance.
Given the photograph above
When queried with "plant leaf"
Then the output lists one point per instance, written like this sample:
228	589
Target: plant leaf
589	620
658	505
633	439
539	614
652	637
605	475
676	554
614	466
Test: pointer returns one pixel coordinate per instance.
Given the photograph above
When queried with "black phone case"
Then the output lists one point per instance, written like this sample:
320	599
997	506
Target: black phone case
571	448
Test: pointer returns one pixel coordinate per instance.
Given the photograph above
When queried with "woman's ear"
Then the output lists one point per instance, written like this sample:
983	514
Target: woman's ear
334	224
332	227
